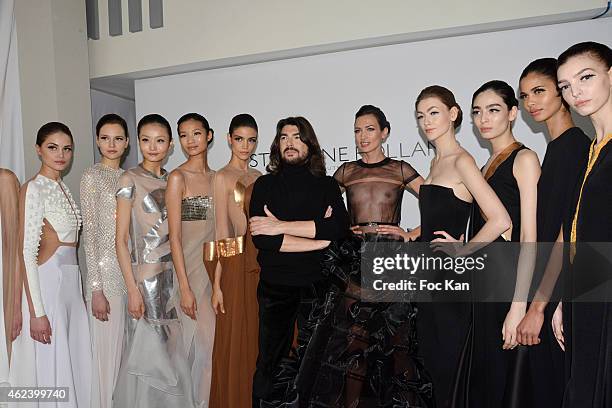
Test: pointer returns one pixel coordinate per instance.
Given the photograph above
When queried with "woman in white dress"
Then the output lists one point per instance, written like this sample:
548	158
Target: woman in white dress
105	288
53	349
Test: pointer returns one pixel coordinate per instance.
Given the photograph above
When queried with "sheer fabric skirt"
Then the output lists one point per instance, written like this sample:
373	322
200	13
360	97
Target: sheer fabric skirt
359	354
154	371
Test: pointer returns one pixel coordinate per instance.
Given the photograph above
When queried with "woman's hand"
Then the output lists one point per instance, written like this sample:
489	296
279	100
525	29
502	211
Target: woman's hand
393	230
513	318
188	303
40	329
217	301
17	323
557	325
136	307
528	331
449	244
100	308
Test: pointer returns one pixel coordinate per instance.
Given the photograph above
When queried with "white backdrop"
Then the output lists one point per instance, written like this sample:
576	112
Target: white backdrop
328	89
11	129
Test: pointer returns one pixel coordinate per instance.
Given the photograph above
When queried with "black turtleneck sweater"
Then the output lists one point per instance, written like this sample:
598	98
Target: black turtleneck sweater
296	195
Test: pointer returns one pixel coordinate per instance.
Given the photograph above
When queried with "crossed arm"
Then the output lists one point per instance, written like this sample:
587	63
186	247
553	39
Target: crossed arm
270	233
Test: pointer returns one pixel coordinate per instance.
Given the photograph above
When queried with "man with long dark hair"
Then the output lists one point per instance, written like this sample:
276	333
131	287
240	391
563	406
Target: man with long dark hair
296	211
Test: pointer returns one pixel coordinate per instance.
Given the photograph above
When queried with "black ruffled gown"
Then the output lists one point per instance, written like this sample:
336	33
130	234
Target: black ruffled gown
363	354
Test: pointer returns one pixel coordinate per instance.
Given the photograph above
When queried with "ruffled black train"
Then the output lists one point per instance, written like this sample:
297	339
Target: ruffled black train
354	353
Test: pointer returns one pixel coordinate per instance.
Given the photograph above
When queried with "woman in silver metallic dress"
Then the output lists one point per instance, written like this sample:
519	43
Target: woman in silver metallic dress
105	288
154	371
191	224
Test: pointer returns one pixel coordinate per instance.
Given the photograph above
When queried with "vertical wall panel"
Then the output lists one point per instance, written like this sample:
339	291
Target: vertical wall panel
135	13
93	19
156	13
114	18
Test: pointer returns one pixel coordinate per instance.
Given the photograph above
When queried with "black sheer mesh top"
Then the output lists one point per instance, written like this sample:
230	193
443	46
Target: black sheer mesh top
374	191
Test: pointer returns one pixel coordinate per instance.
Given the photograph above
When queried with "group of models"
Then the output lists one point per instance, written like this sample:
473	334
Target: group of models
198	279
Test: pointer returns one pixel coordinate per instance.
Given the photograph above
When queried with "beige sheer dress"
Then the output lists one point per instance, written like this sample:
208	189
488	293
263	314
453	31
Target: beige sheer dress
235	351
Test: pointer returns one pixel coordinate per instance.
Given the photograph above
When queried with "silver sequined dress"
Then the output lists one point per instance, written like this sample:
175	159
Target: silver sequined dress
154	372
98	206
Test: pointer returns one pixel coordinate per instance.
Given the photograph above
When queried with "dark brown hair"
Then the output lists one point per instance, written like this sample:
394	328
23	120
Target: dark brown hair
154	119
377	113
598	51
445	96
315	159
501	89
198	118
112	119
546	67
242	120
50	128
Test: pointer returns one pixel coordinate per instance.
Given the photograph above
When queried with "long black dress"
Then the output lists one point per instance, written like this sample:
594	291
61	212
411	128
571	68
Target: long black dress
363	354
442	327
590	383
497	377
563	162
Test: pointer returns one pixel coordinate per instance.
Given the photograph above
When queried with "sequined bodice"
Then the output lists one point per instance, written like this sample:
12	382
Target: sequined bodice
98	203
197	208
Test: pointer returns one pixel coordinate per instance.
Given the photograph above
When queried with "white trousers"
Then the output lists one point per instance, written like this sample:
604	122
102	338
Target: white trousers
66	362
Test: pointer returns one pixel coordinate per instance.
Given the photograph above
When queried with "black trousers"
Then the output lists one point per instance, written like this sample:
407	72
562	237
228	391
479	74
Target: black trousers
280	306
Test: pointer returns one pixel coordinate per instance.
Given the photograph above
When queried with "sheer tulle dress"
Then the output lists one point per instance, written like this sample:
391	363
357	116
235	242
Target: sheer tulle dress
199	252
99	206
363	354
154	371
235	351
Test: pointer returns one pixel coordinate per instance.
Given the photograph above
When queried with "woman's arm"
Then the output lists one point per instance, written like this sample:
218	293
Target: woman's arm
33	218
526	170
89	211
528	331
496	215
90	207
125	198
174	197
11	245
527	173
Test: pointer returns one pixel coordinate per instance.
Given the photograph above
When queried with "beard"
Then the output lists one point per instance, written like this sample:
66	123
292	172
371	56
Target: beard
294	161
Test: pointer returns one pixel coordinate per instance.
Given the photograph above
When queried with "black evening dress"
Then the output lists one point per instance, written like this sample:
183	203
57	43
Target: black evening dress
442	327
363	354
564	160
497	377
589	226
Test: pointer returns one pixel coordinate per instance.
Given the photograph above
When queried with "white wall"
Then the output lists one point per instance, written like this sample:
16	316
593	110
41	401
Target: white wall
197	31
328	89
53	73
11	130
